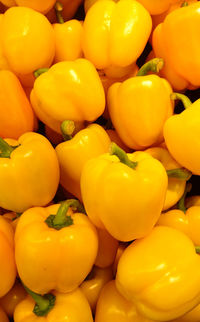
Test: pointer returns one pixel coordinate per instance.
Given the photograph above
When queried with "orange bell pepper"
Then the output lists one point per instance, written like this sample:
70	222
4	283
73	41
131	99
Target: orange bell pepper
120	250
181	133
7	257
160	274
29	172
156	7
9	3
17	116
179	26
106	39
73	85
12	218
112	306
139	107
107	249
28	34
59	244
192	201
73	154
94	283
9	301
133	185
72	307
176	183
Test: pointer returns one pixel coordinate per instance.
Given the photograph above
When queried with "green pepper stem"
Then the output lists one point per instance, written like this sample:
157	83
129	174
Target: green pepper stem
154	65
59	9
40	71
197	249
44	304
184	99
67	128
61	219
6	149
121	154
181	203
180	173
184	4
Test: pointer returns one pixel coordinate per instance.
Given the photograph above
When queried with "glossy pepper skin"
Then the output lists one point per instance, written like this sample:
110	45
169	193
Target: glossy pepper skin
106	39
28	34
181	133
112	306
30	176
73	154
120	210
7	257
188	222
17	115
176	186
68	40
75	86
138	108
160	274
72	307
63	260
179	26
94	283
9	301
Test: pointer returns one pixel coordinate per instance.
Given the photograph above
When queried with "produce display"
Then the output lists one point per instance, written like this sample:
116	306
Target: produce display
99	161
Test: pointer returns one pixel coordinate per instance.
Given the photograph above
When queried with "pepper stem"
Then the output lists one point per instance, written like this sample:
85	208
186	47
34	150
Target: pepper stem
59	9
6	149
181	203
121	154
154	65
61	219
40	71
197	249
184	4
184	99
44	304
180	173
67	128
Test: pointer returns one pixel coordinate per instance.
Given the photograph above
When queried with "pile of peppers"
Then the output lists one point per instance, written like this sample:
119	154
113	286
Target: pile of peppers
99	161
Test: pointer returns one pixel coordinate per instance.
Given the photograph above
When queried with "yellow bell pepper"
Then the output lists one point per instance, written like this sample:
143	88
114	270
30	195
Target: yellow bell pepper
29	172
179	26
132	189
112	306
69	9
160	274
73	154
156	7
9	301
68	37
28	34
68	91
192	316
114	33
107	249
182	136
71	307
139	107
38	5
7	257
120	250
176	186
94	283
59	244
114	137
